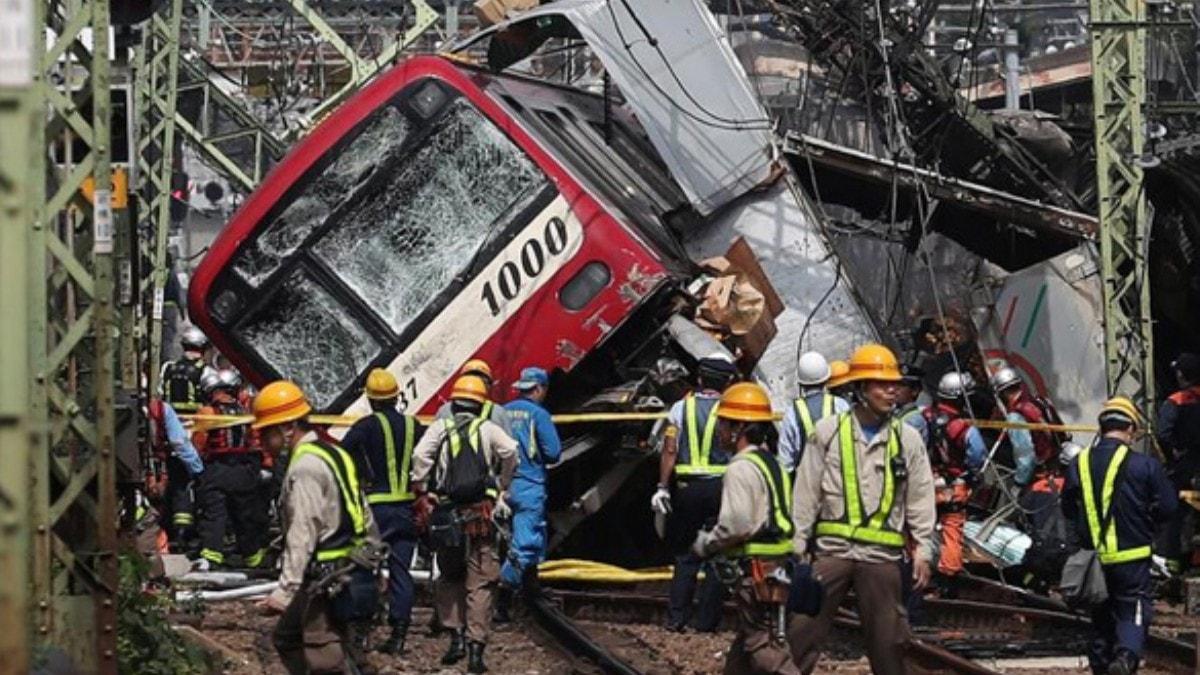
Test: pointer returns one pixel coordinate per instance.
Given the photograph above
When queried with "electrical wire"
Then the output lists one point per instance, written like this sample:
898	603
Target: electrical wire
725	124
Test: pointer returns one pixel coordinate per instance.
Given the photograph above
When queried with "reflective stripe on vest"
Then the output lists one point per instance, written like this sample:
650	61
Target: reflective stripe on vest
851	526
699	447
780	510
806	420
1108	549
397	475
485	413
342	466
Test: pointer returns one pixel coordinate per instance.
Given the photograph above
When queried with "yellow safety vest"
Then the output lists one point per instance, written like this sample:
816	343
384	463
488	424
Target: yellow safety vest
397	467
699	447
352	529
1106	545
806	420
775	539
853	526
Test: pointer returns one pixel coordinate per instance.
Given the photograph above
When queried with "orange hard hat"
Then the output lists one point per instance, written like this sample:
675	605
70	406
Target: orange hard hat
381	385
477	367
838	370
873	362
470	388
745	402
280	402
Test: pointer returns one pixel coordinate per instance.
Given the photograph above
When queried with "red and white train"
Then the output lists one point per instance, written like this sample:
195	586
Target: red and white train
446	213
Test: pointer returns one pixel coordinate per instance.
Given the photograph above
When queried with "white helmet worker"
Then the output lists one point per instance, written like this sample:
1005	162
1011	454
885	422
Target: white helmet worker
812	370
1004	378
955	385
193	339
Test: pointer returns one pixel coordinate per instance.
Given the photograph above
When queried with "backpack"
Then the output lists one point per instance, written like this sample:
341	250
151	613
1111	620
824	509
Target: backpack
181	381
466	477
1051	416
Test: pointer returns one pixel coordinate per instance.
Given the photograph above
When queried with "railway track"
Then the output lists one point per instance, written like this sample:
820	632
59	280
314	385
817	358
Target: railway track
962	636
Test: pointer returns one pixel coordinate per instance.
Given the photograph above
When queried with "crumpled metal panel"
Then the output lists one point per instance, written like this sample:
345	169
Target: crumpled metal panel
784	233
687	89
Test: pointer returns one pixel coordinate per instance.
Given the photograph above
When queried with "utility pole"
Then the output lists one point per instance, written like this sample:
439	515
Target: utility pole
20	121
1012	70
1118	29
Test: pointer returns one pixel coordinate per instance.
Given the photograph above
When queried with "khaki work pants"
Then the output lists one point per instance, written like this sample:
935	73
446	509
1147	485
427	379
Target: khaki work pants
755	650
468	601
307	638
885	624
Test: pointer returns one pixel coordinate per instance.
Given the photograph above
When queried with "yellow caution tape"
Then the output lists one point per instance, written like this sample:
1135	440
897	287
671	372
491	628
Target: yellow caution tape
209	422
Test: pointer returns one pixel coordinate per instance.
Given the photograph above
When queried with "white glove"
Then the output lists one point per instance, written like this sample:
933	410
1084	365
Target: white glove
501	510
265	475
661	501
699	543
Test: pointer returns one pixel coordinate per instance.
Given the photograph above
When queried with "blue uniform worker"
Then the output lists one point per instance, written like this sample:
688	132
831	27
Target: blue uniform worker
1178	432
539	446
815	404
382	446
693	458
1116	497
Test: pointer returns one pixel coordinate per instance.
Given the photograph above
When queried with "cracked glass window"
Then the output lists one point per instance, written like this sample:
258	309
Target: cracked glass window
372	149
306	335
408	235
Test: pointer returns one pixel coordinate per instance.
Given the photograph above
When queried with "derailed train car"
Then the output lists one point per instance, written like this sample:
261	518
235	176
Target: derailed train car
444	214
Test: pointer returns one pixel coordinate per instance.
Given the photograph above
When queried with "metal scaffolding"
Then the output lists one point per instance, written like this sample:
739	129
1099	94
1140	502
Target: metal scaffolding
1118	92
70	336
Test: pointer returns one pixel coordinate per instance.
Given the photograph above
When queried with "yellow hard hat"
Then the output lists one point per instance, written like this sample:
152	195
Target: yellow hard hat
1121	407
477	367
873	362
745	402
838	370
381	385
280	402
470	388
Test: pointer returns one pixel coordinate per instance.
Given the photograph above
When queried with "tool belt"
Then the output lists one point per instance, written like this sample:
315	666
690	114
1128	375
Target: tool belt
766	576
450	525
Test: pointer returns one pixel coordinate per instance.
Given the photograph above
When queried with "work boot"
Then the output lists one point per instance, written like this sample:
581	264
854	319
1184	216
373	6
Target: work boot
504	598
1123	663
475	657
395	642
457	649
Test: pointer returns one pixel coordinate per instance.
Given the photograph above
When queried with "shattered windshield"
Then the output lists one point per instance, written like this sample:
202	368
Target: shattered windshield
307	336
372	149
407	236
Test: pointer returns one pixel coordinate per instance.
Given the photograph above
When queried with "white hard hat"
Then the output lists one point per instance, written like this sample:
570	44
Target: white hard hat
210	380
229	378
954	385
193	338
1005	378
812	369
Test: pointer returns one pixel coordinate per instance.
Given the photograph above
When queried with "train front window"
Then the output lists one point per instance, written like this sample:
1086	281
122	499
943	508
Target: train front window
418	225
304	333
375	147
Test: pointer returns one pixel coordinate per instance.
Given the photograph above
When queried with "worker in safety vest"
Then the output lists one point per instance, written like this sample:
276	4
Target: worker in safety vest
1178	434
179	380
540	447
815	403
1117	497
837	384
956	454
381	445
234	490
1034	451
863	487
330	543
491	411
689	491
466	464
755	527
175	463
